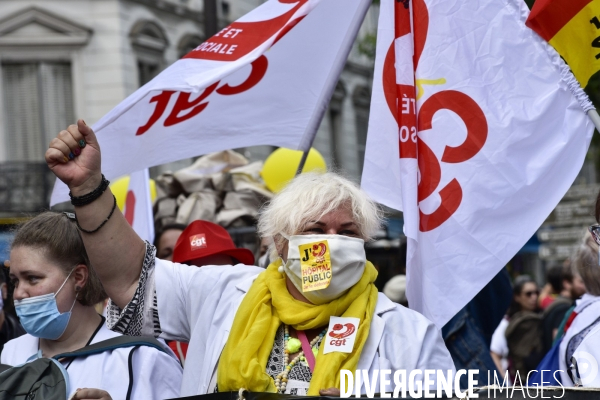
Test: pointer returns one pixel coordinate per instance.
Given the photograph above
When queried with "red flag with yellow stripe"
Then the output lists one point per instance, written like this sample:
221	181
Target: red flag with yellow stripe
572	27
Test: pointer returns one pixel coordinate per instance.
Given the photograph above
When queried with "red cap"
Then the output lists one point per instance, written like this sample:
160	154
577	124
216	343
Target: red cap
202	239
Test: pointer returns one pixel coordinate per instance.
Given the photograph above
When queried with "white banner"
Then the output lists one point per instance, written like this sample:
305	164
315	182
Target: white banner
500	140
138	205
266	79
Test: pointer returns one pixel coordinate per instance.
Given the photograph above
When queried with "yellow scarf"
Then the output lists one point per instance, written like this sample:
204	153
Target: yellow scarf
267	304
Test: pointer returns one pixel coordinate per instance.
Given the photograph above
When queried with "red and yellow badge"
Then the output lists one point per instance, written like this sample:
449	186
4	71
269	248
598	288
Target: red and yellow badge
315	264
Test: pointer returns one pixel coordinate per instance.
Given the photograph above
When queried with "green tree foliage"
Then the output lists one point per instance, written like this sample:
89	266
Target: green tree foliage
367	44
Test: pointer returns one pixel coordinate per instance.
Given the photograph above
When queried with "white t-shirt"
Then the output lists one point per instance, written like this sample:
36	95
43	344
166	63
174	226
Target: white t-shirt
156	375
499	344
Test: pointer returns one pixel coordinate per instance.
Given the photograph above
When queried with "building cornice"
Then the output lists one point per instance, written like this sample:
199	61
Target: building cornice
171	8
64	31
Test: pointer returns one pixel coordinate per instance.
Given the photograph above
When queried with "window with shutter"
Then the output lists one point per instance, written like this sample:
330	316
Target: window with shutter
22	122
38	103
149	43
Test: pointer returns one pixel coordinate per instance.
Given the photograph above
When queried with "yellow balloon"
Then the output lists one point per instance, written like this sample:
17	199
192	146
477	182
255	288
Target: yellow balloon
281	166
120	186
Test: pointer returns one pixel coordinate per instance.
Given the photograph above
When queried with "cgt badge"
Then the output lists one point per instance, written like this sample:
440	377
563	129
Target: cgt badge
315	264
341	334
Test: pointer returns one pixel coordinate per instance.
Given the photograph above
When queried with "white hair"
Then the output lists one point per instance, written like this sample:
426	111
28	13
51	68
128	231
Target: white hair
585	263
310	196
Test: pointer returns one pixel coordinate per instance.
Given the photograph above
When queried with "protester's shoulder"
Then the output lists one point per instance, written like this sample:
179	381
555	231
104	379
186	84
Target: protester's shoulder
145	353
559	304
590	342
162	361
397	317
239	271
588	304
554	314
407	329
18	350
233	270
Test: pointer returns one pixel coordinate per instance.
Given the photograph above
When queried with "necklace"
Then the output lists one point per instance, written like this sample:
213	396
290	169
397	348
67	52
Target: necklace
282	378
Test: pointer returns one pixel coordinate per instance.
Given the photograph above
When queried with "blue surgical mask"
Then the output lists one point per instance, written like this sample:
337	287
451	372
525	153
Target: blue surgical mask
40	317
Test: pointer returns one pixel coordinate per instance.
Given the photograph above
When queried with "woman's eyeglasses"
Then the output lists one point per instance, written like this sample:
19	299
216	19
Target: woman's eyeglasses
595	231
531	293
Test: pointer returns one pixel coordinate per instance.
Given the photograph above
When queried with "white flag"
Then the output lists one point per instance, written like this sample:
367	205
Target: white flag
138	205
266	79
501	138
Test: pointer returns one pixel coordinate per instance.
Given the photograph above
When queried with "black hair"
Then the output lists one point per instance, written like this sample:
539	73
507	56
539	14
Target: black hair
165	228
554	277
518	286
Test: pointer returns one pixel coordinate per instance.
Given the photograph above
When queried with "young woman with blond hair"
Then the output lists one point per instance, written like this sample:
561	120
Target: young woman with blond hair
55	292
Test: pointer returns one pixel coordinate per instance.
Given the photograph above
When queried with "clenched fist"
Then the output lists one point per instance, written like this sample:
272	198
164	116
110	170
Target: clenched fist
74	157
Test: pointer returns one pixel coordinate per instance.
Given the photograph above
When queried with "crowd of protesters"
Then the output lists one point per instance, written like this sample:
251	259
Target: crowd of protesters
224	324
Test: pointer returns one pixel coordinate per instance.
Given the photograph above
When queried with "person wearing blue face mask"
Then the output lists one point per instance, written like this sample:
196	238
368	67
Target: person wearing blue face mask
290	328
40	316
55	291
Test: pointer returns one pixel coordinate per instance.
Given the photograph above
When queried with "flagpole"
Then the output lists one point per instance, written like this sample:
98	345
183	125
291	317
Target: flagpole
334	75
593	114
305	155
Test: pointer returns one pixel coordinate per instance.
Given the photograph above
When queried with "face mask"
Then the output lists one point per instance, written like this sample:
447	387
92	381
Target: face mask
324	267
40	317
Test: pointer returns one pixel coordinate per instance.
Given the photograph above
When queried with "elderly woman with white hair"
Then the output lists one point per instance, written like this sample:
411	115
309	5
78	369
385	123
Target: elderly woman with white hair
580	341
290	328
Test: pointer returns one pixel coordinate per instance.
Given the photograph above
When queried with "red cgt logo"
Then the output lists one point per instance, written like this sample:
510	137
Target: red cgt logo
198	241
231	43
340	331
401	100
319	249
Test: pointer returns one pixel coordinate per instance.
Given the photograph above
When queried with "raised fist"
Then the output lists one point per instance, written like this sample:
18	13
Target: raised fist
74	157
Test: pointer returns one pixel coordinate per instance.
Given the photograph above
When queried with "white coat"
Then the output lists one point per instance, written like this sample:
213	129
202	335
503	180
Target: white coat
588	311
588	359
156	375
199	305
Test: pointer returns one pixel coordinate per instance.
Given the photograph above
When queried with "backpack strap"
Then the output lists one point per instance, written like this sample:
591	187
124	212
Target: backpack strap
113	343
130	367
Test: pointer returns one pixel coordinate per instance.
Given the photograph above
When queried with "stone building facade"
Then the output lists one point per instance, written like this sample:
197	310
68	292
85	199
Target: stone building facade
64	59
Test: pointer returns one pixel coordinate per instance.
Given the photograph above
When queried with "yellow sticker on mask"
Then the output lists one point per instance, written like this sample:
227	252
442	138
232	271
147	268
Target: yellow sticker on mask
315	264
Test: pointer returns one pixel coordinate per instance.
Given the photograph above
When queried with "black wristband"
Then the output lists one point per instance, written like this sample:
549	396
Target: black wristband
103	222
79	201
